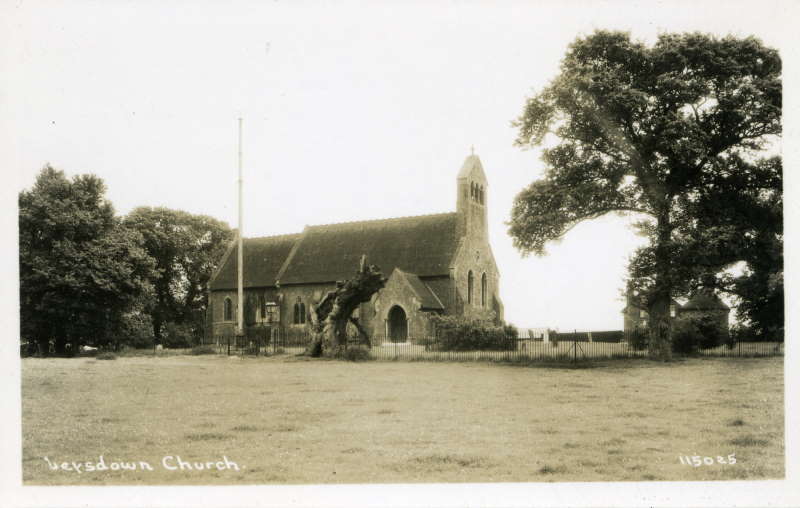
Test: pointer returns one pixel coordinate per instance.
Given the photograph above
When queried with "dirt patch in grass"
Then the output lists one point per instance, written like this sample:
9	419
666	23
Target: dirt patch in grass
439	462
635	414
749	441
207	436
245	428
284	427
548	469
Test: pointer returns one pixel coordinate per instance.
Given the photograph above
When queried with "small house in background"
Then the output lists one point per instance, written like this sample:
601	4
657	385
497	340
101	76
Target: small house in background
704	303
635	313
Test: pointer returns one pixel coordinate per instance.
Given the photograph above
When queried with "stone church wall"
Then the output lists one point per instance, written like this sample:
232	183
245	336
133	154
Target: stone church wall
475	255
217	301
307	294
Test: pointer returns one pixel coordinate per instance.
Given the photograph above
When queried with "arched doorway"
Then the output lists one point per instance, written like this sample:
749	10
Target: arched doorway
398	324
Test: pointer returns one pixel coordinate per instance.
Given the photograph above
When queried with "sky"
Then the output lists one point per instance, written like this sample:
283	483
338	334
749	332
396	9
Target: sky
350	111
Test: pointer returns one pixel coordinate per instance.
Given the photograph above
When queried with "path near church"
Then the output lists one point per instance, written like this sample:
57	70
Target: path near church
284	420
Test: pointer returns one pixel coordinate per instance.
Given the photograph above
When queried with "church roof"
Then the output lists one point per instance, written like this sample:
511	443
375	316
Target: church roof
426	296
423	245
703	300
263	259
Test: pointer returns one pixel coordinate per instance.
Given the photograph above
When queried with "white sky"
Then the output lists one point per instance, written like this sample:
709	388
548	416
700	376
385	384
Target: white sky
351	112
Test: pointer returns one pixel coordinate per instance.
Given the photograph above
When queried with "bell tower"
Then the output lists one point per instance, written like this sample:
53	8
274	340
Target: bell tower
471	201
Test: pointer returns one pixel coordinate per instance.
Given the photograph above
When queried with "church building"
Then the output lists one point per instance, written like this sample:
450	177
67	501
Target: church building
435	264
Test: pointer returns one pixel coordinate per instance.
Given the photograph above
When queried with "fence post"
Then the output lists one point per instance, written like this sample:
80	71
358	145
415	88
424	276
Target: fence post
575	345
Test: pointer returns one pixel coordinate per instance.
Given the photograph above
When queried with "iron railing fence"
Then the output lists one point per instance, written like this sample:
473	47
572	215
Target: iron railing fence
551	346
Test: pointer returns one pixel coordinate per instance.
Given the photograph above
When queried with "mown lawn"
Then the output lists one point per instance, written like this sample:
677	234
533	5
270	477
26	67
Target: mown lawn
289	420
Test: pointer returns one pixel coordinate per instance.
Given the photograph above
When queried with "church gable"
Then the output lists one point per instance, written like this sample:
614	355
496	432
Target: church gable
402	309
423	245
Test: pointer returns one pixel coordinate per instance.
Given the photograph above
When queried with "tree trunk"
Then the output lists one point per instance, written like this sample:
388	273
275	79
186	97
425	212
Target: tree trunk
362	333
44	346
61	345
660	343
330	316
157	324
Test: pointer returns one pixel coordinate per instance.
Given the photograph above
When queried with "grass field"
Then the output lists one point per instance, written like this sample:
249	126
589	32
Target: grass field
288	420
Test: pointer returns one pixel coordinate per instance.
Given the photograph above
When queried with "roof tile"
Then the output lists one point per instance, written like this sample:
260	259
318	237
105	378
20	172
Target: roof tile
263	258
428	299
423	245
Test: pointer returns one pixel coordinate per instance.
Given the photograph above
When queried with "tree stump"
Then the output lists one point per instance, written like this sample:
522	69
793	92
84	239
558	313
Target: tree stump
330	316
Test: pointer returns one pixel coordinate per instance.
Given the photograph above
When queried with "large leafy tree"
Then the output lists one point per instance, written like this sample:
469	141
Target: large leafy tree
186	249
646	130
80	270
735	221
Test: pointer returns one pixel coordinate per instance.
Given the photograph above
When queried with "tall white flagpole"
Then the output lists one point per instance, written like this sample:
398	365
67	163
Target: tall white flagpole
240	274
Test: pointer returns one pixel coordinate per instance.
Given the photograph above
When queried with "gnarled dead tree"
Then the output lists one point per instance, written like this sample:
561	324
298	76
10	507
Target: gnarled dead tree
330	316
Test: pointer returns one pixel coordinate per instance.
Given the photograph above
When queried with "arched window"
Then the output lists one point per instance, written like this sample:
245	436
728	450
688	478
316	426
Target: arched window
483	290
299	312
262	307
471	190
469	287
227	314
480	194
